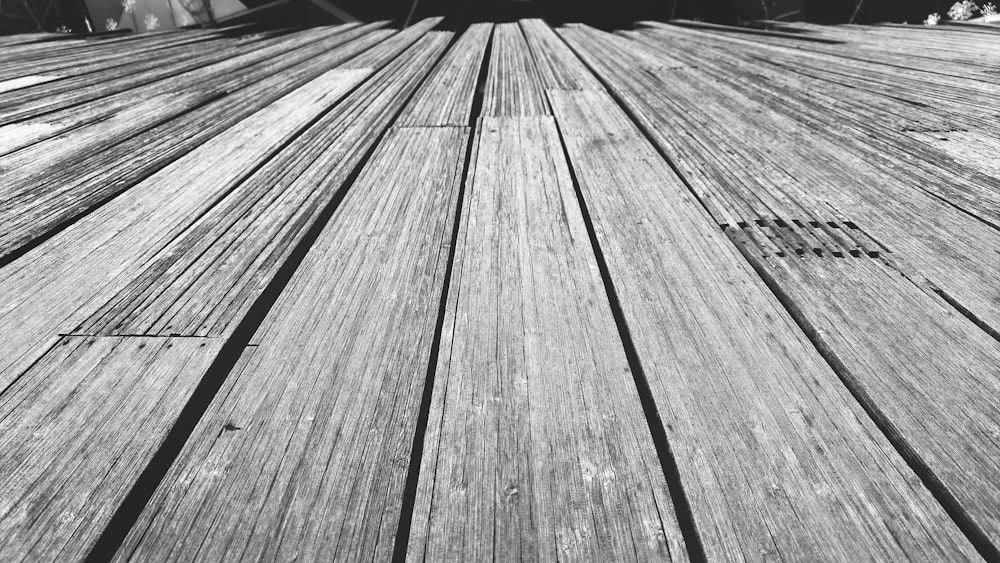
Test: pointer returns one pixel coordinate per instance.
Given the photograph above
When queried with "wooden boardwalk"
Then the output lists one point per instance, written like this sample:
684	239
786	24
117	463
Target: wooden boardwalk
678	292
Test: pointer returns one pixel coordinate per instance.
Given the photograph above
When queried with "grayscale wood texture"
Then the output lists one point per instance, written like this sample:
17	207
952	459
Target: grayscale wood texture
513	87
537	447
326	404
78	427
781	341
776	457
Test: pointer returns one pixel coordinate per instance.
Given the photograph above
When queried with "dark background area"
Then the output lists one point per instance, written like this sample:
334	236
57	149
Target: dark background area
615	13
601	13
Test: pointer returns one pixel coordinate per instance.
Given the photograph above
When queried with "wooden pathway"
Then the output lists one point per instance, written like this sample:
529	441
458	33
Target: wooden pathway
677	292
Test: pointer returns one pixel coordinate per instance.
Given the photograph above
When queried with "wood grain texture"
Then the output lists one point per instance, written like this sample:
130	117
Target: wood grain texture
31	101
78	427
446	98
872	110
77	58
792	303
216	78
327	404
25	81
537	446
558	67
776	457
388	50
203	282
62	281
930	375
513	86
88	162
803	164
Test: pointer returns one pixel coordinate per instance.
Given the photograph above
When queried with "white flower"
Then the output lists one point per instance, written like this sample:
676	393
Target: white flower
111	24
128	5
933	19
989	9
63	29
961	11
150	22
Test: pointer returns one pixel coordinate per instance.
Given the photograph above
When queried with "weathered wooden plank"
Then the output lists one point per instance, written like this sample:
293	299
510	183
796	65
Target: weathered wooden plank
77	59
215	79
327	402
365	107
388	50
892	341
34	100
59	283
204	281
25	81
927	374
775	456
77	429
768	161
537	446
513	87
942	50
870	110
55	182
558	67
446	98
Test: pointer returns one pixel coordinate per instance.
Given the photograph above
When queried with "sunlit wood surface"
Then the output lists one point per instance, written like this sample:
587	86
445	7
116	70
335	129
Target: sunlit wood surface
676	292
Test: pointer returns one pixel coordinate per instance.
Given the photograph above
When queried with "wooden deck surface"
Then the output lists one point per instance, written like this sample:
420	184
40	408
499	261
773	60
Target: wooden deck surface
677	292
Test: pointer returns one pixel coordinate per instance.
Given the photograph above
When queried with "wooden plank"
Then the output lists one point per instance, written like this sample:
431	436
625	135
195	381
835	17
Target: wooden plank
215	79
318	469
83	58
31	101
868	110
204	281
928	374
388	50
513	87
891	340
446	98
558	67
112	492
77	429
794	170
59	283
55	182
776	457
25	81
537	447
